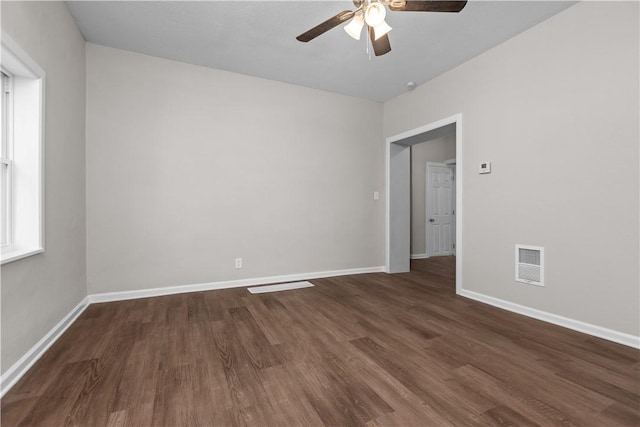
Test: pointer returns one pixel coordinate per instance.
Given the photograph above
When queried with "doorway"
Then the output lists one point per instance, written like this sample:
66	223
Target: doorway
398	186
432	184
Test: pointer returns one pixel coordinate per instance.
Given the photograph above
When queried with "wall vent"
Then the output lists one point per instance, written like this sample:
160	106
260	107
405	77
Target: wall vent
530	265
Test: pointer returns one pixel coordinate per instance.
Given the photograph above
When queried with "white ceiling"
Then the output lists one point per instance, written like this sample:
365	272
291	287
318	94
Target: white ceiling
257	38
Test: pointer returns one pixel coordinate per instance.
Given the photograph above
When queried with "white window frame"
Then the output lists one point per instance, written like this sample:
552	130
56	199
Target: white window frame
5	158
25	144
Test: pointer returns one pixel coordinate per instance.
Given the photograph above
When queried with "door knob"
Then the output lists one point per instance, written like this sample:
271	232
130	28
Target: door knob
431	220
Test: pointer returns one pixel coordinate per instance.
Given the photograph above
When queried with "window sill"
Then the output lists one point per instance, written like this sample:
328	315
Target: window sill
19	254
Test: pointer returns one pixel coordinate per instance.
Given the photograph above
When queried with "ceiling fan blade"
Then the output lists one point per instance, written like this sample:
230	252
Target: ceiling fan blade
380	46
326	26
428	6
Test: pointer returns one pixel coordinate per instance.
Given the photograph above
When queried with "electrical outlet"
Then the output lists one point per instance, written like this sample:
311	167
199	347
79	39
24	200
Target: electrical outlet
238	262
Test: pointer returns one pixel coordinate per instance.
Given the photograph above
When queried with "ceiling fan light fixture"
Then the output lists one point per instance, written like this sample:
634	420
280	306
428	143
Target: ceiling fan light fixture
380	30
354	28
375	13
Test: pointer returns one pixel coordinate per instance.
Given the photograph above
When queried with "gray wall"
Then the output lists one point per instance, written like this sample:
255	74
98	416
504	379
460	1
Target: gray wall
435	150
190	167
555	110
37	292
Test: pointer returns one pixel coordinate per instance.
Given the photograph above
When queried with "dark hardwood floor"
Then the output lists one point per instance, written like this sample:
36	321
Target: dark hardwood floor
375	349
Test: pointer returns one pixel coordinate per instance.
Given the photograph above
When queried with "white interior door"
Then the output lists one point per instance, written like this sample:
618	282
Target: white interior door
439	209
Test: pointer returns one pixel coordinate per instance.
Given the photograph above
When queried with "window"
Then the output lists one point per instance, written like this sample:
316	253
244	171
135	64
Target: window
5	162
21	152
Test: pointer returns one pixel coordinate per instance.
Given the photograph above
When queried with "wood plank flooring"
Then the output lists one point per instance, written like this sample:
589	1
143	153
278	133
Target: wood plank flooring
375	349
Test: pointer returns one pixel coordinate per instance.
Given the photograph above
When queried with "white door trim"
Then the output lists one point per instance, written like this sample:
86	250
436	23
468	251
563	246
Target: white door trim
454	171
457	120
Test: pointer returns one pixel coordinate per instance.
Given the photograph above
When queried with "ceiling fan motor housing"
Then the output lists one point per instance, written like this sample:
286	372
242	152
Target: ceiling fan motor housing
394	3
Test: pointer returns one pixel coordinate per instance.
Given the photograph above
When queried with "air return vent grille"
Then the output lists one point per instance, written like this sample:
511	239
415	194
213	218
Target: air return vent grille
530	265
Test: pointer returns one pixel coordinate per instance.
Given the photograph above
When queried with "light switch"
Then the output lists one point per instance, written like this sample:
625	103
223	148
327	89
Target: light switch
376	195
485	167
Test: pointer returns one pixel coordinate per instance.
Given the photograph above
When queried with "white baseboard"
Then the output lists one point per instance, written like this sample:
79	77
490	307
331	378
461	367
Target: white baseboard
576	325
155	292
18	369
419	256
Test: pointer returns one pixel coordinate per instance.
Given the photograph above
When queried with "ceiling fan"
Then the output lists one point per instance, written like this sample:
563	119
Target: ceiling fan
372	13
